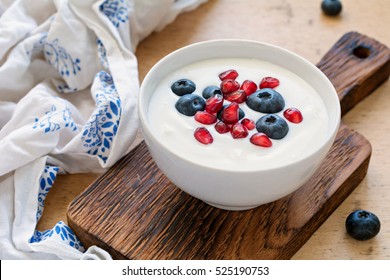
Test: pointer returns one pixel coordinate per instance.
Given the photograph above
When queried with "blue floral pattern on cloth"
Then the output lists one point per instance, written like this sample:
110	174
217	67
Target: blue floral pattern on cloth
116	10
102	54
57	56
45	183
64	88
101	128
55	119
62	233
39	45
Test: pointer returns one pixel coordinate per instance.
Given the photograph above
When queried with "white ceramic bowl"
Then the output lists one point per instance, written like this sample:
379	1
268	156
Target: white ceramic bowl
227	189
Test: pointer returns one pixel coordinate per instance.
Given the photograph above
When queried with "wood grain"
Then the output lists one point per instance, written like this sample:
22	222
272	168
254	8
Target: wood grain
356	65
135	212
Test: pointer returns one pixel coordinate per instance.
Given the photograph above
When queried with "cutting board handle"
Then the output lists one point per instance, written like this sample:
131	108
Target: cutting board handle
356	65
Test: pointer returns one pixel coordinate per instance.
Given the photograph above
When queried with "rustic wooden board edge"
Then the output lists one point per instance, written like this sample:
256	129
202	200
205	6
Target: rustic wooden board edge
87	237
286	252
356	65
317	220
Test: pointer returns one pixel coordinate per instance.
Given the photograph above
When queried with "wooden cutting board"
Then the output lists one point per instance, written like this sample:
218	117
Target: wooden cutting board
134	212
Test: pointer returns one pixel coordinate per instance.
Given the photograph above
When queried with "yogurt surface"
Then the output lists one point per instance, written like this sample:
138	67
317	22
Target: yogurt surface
176	131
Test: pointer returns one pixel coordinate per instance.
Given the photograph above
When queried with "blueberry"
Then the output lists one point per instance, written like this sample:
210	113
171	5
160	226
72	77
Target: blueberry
189	104
241	113
273	126
266	100
210	91
183	86
362	225
331	7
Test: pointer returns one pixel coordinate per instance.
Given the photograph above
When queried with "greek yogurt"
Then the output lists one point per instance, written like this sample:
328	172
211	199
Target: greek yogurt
176	131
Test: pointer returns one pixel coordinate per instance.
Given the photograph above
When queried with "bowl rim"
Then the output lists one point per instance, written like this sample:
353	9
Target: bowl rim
328	140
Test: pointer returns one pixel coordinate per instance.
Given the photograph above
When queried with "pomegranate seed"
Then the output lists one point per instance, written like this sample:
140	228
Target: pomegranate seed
230	113
203	135
228	74
238	96
221	127
269	82
293	115
260	139
228	86
249	87
249	124
214	104
205	118
239	131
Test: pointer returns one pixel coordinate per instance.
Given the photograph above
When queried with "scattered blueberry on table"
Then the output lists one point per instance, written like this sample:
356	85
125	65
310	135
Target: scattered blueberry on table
362	225
331	7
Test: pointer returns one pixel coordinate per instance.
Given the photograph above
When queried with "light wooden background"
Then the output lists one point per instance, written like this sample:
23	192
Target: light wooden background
299	26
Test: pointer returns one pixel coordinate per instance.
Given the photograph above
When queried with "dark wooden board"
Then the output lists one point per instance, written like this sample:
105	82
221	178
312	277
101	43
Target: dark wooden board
134	212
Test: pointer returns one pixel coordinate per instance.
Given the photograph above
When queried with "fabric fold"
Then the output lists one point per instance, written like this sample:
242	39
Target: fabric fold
68	104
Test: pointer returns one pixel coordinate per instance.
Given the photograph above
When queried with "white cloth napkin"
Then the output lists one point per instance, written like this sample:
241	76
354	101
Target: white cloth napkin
68	103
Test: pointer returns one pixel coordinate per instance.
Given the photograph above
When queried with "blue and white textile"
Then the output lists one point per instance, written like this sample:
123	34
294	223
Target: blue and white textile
68	104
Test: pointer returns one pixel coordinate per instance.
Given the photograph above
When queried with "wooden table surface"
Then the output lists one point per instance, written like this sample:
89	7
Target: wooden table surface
300	26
